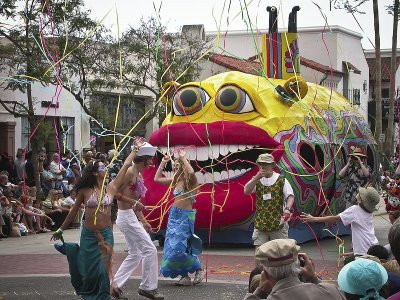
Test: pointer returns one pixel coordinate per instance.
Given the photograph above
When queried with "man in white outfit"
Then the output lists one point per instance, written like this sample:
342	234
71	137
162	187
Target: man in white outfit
140	246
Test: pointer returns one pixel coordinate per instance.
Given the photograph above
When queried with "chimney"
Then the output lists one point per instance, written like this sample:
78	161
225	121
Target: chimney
280	50
194	32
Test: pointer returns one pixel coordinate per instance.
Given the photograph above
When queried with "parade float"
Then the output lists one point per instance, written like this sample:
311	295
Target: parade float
225	121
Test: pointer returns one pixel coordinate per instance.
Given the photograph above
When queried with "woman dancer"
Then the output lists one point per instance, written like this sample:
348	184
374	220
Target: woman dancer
177	256
90	262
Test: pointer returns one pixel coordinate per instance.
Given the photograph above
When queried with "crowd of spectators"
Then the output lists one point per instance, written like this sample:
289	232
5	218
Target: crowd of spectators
26	210
286	273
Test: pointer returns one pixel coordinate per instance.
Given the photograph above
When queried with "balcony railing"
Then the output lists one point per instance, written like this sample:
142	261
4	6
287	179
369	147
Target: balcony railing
385	109
353	95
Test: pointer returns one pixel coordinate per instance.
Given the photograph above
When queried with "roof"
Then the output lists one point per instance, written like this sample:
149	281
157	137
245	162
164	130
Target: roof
237	64
385	69
350	66
312	29
253	66
318	67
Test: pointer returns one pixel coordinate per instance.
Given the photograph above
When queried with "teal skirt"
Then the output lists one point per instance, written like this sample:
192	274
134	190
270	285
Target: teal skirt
178	258
90	263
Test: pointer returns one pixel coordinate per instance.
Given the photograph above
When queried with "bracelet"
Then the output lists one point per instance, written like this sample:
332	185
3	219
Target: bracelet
134	206
59	231
289	209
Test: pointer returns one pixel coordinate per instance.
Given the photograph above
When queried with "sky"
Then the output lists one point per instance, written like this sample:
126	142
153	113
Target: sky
228	15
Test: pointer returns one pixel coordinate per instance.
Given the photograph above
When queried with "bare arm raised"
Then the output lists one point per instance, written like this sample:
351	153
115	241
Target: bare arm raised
187	166
116	184
158	177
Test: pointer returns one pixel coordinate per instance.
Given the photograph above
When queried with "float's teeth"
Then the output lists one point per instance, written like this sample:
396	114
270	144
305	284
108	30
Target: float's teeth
200	177
202	153
233	148
214	151
224	149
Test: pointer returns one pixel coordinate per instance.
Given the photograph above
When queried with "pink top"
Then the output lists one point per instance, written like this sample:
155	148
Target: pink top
138	187
395	297
93	202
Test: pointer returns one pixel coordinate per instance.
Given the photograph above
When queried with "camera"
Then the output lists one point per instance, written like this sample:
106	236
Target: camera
301	260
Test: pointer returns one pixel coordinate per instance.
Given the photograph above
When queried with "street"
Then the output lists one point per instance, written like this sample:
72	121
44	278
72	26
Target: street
32	269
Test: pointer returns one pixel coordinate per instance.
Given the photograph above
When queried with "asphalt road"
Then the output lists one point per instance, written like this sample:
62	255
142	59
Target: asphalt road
59	288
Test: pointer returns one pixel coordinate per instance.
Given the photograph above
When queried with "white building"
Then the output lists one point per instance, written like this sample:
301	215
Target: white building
331	58
65	116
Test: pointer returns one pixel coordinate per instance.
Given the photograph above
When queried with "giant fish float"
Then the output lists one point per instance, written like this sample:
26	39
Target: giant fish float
225	121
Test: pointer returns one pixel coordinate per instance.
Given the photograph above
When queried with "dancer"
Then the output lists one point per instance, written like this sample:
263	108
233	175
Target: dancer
178	258
140	246
90	262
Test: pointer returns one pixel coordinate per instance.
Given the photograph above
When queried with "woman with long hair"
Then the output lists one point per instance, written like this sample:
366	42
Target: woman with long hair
178	257
90	263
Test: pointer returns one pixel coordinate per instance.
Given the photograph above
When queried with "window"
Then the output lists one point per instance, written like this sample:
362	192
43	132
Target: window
131	109
385	93
67	129
356	96
25	132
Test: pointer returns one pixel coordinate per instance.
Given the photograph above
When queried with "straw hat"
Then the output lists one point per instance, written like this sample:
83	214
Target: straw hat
358	152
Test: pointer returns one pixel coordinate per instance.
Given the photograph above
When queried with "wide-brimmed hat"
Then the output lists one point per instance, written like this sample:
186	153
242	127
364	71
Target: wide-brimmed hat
278	252
369	198
359	152
265	158
362	277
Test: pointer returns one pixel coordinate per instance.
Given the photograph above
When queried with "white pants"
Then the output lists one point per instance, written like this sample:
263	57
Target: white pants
140	249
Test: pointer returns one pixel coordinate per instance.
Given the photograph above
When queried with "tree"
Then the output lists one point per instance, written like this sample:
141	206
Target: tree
394	10
354	7
378	74
62	27
152	57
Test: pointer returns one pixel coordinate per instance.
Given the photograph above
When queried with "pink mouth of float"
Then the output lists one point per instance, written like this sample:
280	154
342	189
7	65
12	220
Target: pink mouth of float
219	151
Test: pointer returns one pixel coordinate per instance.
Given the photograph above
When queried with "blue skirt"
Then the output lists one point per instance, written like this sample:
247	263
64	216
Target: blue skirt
177	256
90	263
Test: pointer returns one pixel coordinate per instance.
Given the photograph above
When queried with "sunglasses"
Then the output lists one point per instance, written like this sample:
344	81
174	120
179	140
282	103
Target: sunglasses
102	168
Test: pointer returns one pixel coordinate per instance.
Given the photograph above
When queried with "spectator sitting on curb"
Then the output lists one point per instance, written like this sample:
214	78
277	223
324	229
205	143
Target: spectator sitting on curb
393	216
380	254
394	241
281	261
363	279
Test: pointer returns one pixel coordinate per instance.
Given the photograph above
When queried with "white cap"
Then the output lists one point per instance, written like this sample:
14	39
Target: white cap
147	149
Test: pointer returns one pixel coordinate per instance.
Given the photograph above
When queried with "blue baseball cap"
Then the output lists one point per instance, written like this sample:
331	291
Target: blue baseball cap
362	277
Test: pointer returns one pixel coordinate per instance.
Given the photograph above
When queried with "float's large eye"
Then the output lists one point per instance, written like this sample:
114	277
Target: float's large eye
232	99
189	100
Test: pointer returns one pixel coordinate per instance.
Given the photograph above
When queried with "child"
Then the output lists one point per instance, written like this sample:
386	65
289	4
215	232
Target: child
359	217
